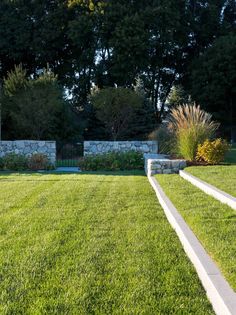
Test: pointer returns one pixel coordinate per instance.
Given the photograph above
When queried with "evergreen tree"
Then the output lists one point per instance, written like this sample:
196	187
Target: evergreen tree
32	106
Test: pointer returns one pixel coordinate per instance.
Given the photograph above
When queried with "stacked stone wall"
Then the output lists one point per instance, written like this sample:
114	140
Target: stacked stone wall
163	166
101	147
29	147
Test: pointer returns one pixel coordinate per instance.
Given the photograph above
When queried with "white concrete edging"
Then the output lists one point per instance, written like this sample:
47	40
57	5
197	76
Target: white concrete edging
219	292
210	190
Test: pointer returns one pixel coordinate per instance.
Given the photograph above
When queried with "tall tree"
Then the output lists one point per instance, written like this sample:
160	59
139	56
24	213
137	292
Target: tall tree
213	80
32	106
116	108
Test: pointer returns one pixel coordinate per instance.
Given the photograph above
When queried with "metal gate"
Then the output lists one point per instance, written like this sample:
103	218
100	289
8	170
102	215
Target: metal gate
68	154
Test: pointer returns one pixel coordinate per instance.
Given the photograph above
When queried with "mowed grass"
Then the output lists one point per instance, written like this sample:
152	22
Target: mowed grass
212	222
91	244
220	176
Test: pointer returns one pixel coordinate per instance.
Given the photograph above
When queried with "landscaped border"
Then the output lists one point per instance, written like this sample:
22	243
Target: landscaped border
219	292
209	189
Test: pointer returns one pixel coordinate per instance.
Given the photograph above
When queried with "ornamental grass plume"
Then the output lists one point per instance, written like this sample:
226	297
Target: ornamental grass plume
191	126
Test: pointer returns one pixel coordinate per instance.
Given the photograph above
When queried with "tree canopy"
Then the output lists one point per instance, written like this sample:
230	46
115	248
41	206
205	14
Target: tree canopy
31	106
112	43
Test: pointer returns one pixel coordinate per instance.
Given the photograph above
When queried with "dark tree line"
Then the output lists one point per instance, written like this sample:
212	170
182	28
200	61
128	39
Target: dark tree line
162	43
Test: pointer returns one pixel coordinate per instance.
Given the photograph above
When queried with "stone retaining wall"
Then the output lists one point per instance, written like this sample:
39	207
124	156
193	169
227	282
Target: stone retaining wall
163	166
100	147
29	147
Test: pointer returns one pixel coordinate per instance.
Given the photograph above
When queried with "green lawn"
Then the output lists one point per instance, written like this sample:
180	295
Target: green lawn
91	244
221	176
212	222
231	156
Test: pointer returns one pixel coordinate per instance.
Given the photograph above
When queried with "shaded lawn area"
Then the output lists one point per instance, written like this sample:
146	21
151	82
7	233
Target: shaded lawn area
91	244
220	176
212	222
231	155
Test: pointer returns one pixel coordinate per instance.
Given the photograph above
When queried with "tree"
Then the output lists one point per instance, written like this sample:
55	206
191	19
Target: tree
229	16
112	42
31	105
116	108
213	80
177	96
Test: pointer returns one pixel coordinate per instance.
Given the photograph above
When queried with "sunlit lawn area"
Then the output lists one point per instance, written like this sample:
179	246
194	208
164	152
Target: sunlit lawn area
92	244
221	176
212	222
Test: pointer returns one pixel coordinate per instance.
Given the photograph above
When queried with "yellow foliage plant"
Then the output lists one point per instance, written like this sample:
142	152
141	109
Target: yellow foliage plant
212	152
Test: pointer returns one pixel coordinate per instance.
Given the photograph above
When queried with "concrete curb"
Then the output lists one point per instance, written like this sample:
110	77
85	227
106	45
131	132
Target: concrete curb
219	292
210	190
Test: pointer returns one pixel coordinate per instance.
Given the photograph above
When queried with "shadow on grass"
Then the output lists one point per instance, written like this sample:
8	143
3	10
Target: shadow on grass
231	155
70	176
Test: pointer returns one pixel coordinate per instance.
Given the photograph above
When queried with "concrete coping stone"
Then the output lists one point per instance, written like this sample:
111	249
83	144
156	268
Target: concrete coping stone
210	189
218	290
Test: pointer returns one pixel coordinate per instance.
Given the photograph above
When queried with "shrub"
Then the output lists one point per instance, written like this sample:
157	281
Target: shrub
113	161
15	162
212	152
1	163
50	167
164	138
191	126
38	161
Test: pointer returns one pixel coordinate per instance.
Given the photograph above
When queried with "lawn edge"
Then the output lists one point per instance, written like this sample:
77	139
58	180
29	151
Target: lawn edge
209	189
218	290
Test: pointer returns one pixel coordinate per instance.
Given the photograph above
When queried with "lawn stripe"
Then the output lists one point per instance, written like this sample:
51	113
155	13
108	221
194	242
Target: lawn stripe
221	295
95	244
210	189
211	221
222	177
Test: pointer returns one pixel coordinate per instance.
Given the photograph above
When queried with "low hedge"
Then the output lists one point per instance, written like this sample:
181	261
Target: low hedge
38	161
1	163
19	162
15	162
113	161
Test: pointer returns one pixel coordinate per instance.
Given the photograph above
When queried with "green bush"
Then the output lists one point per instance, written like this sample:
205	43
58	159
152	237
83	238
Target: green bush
212	152
38	161
164	138
113	161
1	163
50	167
15	162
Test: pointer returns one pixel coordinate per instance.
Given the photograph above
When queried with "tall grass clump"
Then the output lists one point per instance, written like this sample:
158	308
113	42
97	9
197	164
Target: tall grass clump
190	126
